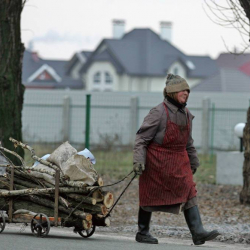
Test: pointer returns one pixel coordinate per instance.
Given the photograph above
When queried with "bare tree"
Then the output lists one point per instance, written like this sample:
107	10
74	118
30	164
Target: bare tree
232	14
11	88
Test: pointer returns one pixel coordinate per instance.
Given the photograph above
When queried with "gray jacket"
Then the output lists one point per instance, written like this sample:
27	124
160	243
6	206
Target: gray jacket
153	130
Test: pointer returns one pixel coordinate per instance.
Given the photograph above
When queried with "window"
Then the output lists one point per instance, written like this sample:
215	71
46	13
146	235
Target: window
108	78
176	71
97	78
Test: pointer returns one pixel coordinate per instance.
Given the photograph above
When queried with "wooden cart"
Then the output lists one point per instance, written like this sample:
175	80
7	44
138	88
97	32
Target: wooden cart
40	223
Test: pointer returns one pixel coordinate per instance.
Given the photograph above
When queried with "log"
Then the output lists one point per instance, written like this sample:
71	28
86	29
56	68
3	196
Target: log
29	191
28	205
50	204
86	224
101	221
62	201
40	170
99	182
97	195
108	199
84	199
96	209
26	184
24	176
92	209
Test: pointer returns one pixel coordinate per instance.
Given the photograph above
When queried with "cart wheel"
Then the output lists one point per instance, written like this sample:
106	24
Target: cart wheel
2	221
88	232
40	225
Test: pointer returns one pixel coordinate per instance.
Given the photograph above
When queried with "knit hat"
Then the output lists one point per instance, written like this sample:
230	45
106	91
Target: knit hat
175	83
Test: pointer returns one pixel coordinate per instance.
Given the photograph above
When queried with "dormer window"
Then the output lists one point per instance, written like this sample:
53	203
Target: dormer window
175	71
108	78
97	78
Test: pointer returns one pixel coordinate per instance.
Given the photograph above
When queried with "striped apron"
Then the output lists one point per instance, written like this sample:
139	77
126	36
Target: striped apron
168	178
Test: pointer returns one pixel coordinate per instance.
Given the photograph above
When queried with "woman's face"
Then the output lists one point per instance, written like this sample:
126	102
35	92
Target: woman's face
182	96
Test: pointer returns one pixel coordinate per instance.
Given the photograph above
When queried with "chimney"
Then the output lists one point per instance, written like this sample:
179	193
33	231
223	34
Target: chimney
166	31
118	28
35	56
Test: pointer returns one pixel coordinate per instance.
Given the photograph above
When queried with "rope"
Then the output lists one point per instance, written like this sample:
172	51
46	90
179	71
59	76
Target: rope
93	190
121	195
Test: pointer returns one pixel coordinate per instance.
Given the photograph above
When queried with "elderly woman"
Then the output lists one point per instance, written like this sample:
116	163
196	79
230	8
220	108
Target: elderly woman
165	159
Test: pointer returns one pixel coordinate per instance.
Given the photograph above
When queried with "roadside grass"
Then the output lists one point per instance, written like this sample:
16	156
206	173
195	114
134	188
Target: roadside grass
118	164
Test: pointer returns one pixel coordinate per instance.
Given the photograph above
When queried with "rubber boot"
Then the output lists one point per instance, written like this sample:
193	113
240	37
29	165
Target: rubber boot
199	234
143	235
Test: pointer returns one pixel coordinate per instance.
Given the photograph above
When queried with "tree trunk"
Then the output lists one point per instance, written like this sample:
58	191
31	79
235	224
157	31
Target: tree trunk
11	88
245	192
246	6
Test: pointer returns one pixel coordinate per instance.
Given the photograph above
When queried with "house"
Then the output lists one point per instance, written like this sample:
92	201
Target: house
226	80
47	74
75	64
234	61
233	75
140	60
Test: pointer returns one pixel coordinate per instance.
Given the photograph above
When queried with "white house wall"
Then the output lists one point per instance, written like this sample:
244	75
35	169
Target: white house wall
181	71
101	67
75	71
127	83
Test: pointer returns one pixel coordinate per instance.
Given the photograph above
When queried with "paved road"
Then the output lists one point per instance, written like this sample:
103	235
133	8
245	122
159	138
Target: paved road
65	239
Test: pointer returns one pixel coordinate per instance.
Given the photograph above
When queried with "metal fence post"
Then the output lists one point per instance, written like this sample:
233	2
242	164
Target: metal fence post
87	125
66	118
134	102
212	130
205	126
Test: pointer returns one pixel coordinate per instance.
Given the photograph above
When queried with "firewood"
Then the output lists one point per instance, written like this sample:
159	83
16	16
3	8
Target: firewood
48	203
96	209
101	221
97	195
99	181
6	193
28	205
108	199
86	224
62	200
40	170
84	199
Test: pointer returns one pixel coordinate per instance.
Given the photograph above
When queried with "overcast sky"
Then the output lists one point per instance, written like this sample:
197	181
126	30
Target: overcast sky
59	28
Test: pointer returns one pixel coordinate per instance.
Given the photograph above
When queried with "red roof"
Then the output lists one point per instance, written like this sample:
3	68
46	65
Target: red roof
245	68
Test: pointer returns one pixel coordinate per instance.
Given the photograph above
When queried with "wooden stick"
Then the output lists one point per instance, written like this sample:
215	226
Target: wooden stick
40	170
33	155
50	204
13	153
4	193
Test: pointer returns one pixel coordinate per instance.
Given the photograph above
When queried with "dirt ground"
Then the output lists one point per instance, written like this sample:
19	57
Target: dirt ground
219	208
217	203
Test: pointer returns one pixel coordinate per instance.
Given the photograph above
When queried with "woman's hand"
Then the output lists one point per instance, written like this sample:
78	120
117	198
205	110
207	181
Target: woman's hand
138	168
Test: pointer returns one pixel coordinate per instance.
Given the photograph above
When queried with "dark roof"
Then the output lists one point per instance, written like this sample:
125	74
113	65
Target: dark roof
232	60
32	62
227	80
204	66
86	53
76	58
143	52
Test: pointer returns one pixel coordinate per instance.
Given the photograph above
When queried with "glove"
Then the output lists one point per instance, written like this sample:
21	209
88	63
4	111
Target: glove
194	170
138	168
